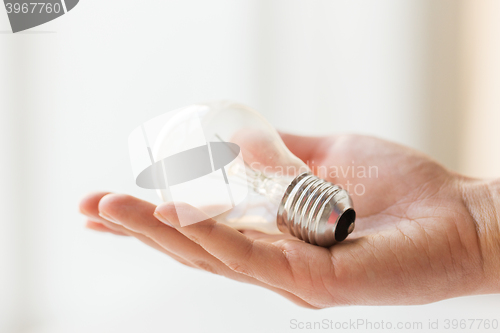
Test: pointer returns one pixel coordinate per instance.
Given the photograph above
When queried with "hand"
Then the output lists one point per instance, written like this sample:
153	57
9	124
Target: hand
422	233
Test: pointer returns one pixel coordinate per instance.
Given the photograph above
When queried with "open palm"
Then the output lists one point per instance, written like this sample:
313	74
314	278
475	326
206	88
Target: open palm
414	242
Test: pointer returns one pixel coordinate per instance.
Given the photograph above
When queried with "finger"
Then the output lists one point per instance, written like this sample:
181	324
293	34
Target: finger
259	260
89	206
304	147
254	234
137	215
146	240
97	226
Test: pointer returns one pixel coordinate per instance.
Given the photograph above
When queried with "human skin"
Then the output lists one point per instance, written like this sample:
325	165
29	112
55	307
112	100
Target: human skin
423	233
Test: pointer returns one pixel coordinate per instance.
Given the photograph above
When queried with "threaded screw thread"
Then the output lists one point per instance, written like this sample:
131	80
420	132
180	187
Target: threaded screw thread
316	211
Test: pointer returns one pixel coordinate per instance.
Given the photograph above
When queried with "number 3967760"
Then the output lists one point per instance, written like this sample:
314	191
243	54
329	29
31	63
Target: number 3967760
33	7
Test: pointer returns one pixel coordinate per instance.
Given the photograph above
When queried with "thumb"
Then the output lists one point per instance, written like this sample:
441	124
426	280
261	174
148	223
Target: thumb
304	147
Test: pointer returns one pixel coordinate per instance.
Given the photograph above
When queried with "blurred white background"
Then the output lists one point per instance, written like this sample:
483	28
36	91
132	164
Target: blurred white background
423	73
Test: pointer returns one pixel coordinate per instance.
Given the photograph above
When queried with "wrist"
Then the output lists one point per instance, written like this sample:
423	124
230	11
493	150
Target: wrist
482	199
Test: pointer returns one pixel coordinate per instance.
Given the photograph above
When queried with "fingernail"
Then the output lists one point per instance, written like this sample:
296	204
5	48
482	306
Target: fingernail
108	218
163	219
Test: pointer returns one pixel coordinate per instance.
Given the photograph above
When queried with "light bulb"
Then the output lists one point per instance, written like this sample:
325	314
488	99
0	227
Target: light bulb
267	188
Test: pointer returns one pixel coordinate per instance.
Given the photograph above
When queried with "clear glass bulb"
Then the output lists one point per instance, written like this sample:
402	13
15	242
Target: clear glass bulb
270	189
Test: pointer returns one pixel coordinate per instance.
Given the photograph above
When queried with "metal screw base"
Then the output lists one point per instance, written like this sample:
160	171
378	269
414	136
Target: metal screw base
316	211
